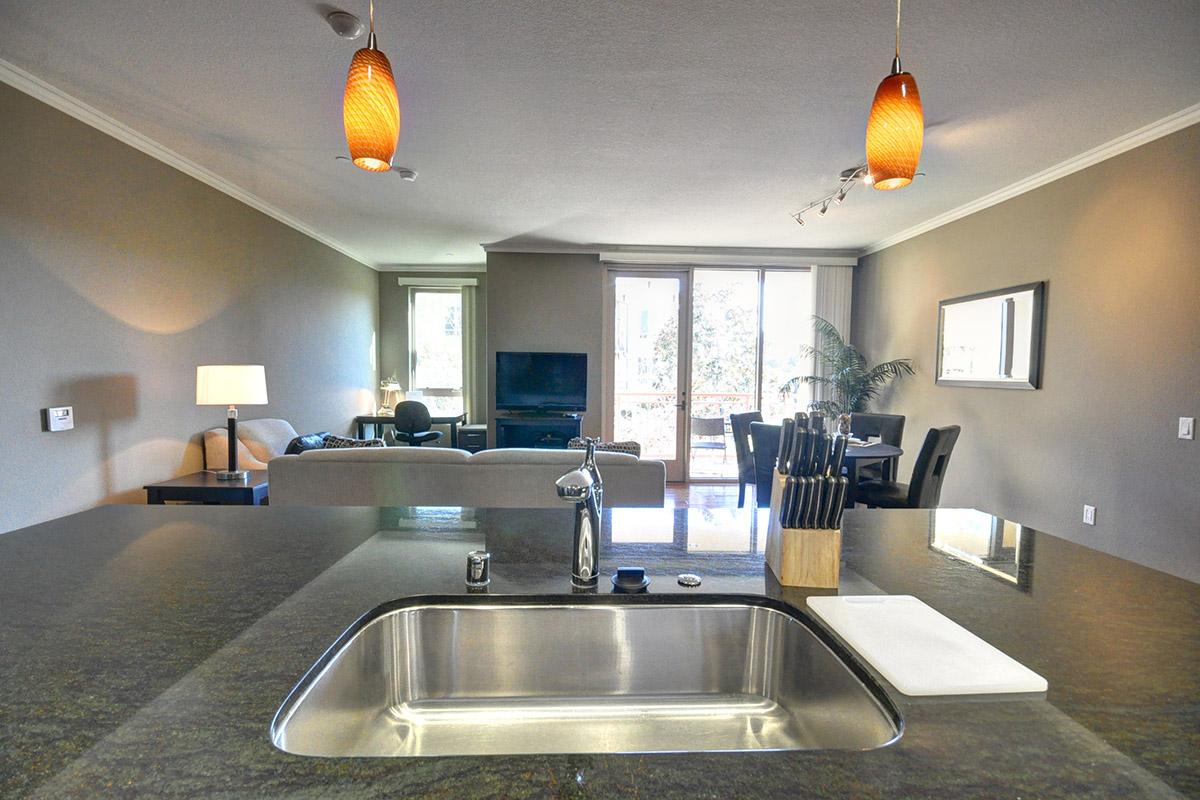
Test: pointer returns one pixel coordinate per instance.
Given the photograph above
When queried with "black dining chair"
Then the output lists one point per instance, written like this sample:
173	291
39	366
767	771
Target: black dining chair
412	424
890	430
764	438
740	425
925	488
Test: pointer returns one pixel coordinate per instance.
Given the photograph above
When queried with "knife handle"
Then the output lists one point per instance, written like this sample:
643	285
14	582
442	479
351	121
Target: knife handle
785	446
799	439
843	490
801	419
785	502
822	455
814	499
797	511
839	456
827	505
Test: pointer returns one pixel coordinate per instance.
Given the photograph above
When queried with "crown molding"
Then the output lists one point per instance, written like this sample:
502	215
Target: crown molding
556	249
72	106
431	268
1143	135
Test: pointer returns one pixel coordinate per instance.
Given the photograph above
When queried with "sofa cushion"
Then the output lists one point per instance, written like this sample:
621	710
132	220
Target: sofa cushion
266	438
309	441
633	448
533	455
421	455
331	442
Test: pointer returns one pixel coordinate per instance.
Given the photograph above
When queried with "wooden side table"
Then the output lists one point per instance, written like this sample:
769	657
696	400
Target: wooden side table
203	487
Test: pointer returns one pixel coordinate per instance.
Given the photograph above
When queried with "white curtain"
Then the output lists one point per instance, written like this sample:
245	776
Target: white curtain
470	331
833	289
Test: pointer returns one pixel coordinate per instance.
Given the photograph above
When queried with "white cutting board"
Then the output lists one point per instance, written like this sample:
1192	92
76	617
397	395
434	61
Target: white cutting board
920	651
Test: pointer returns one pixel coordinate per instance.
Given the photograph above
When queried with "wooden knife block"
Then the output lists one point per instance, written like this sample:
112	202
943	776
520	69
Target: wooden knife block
801	556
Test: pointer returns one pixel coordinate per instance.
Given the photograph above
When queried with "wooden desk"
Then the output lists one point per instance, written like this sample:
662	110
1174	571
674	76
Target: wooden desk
377	422
203	487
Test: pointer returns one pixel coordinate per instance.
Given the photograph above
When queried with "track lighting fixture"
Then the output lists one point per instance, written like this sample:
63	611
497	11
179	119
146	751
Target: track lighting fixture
846	181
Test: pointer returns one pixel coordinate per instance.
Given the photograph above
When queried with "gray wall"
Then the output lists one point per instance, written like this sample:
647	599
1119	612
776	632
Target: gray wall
393	334
1117	244
118	276
550	302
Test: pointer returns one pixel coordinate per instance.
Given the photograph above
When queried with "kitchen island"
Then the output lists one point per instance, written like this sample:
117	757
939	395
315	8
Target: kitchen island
145	650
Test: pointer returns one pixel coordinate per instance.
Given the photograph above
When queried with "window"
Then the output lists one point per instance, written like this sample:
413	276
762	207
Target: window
436	349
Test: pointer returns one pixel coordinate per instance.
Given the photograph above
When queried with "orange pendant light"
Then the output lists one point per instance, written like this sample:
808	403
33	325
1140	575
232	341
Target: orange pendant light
896	126
371	109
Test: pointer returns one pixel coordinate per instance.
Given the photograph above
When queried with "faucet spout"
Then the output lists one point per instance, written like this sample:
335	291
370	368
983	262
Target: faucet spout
584	487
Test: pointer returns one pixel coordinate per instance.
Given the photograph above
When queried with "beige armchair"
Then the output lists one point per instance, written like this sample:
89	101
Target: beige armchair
259	440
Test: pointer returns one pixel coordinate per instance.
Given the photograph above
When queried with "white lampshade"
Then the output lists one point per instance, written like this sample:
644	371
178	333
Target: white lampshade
231	385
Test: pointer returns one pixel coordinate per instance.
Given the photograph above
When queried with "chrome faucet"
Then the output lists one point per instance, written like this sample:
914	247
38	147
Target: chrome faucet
585	488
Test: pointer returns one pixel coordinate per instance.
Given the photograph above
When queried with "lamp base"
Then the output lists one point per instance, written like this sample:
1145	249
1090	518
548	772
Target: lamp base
235	475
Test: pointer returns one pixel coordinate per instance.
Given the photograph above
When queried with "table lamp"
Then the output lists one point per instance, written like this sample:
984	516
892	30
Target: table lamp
231	385
390	388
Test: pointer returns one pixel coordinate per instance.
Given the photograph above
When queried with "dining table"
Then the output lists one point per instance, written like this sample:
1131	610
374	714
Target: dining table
869	453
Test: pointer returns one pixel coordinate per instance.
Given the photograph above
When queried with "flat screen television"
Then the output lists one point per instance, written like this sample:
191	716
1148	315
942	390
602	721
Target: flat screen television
541	381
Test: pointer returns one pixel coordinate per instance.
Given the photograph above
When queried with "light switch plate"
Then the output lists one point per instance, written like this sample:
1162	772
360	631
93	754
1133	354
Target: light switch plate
59	419
1187	427
1089	515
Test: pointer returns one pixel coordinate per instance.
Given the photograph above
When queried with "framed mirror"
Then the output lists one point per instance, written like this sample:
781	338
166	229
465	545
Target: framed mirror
992	339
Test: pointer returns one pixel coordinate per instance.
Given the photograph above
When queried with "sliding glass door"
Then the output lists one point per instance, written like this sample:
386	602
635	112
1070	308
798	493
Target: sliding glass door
724	368
648	402
689	348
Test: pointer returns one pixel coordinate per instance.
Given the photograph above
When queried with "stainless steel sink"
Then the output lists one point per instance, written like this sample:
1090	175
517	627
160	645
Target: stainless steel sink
582	674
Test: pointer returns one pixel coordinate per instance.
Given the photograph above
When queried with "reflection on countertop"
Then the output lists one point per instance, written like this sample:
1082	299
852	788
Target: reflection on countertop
999	547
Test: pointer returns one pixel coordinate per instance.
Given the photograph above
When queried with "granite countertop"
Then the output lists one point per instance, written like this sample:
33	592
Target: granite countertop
145	650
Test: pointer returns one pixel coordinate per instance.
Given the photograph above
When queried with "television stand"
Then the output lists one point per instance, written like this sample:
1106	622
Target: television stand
545	430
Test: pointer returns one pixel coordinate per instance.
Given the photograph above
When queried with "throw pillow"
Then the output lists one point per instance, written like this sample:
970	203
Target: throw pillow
309	441
331	441
632	448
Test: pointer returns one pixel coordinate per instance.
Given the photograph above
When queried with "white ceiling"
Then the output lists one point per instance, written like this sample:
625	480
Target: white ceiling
659	122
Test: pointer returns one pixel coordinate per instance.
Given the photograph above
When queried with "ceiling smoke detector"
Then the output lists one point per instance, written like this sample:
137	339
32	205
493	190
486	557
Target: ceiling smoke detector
345	24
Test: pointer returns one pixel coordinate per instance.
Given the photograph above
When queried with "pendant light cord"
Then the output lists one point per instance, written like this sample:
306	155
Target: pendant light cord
896	68
371	35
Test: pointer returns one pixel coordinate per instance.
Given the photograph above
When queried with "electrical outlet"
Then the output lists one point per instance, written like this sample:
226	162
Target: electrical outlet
1089	515
1187	427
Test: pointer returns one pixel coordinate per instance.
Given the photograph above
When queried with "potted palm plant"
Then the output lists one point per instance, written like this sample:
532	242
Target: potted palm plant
850	381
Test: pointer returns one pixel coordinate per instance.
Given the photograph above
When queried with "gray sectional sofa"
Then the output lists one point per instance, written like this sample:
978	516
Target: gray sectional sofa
441	476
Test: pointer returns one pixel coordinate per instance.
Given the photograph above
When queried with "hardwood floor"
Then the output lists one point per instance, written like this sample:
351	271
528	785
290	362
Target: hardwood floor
705	495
